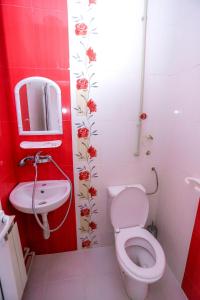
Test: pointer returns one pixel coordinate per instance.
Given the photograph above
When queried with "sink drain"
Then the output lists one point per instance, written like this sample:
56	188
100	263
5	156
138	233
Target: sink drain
42	203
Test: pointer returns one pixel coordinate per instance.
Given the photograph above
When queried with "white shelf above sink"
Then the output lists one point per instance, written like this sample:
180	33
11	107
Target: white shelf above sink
40	145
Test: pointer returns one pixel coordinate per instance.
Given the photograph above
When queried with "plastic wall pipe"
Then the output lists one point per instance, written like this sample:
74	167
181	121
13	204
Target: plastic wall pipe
143	63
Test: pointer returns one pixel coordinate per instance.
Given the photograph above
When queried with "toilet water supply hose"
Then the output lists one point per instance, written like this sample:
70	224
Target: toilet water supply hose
157	182
34	190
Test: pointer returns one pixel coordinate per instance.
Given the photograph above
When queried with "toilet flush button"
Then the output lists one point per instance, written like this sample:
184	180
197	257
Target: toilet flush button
117	230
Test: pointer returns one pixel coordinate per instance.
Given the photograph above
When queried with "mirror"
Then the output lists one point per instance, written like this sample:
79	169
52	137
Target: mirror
38	104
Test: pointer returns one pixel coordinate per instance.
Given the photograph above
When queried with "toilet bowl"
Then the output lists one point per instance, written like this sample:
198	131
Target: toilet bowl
140	256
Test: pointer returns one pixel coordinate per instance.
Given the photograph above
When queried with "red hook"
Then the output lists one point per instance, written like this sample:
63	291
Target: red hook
143	116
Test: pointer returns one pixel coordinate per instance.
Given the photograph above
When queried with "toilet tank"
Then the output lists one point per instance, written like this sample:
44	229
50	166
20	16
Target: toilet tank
114	190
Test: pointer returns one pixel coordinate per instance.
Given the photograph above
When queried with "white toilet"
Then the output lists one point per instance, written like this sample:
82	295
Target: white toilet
140	256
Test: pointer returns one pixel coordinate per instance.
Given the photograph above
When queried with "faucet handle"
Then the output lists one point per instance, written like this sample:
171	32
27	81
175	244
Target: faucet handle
41	159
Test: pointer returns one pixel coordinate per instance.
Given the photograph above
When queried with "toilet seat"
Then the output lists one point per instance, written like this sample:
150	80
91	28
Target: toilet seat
147	275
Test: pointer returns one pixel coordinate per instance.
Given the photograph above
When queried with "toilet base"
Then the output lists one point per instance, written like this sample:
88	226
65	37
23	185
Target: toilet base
136	290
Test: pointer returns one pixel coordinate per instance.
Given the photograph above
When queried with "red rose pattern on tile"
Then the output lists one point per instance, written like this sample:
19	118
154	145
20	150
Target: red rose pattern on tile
86	109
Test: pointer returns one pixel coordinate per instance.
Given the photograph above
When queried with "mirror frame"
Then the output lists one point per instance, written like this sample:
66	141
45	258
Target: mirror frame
18	106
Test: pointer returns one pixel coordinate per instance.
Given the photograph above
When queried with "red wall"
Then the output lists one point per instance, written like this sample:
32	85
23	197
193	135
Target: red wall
36	41
191	280
8	177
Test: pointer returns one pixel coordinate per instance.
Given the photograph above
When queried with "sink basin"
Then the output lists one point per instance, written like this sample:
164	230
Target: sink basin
49	195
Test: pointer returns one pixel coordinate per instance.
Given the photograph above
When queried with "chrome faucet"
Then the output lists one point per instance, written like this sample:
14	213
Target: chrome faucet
41	159
37	159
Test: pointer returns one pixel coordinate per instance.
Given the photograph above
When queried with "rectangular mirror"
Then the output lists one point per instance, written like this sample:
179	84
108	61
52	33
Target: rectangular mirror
38	104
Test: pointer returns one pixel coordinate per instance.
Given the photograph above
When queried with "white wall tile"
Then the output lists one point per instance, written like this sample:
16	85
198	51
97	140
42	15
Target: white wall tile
173	58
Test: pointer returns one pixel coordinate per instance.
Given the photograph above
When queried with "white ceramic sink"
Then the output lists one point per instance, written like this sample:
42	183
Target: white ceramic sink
50	194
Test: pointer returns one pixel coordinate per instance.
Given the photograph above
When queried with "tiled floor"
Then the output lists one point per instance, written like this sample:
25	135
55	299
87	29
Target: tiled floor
80	275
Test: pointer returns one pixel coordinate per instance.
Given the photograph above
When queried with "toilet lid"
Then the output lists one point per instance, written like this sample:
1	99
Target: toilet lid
144	274
130	208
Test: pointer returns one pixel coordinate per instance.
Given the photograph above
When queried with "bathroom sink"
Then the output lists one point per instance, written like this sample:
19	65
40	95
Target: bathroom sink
49	195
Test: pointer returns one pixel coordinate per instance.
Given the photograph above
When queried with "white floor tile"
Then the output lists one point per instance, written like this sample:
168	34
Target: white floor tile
69	289
86	275
39	269
106	287
155	292
66	264
34	291
102	260
169	280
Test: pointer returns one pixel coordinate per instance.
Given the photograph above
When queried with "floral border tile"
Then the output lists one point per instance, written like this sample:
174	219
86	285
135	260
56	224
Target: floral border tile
83	74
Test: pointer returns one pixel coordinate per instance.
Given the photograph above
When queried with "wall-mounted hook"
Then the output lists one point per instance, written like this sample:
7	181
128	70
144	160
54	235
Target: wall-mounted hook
149	137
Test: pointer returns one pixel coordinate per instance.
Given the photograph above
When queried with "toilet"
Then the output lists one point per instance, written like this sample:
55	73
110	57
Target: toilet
140	256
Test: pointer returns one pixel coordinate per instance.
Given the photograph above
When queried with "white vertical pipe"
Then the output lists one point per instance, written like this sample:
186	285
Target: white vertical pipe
143	63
